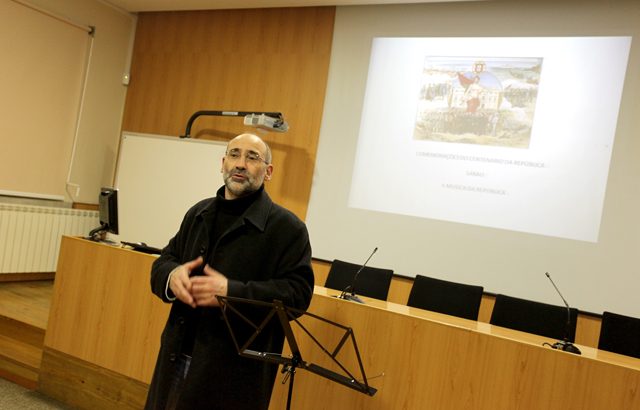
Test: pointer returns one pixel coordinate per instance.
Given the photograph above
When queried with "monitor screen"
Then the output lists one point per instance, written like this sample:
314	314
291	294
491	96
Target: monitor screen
108	209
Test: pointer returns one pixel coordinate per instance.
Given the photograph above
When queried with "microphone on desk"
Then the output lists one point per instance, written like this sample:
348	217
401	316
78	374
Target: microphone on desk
349	293
565	345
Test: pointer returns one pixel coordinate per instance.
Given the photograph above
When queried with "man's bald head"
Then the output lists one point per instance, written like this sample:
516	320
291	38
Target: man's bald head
246	165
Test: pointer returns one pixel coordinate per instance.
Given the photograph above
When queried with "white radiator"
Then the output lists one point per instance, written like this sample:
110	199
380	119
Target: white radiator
30	235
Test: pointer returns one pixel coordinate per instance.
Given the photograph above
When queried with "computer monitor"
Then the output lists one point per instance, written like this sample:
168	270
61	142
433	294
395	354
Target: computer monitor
108	209
107	213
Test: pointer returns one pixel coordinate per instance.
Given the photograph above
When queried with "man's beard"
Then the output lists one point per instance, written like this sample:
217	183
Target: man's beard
240	189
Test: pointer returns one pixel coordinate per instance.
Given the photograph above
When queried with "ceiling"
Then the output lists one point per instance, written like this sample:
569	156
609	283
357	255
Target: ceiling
166	5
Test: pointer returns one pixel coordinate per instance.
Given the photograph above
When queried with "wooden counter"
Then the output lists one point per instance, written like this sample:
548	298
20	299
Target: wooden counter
104	328
419	359
104	332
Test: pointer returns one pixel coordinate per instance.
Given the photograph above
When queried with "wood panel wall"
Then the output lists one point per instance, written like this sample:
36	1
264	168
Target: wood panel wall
236	60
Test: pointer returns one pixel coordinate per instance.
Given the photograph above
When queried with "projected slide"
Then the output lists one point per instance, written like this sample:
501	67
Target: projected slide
482	100
510	133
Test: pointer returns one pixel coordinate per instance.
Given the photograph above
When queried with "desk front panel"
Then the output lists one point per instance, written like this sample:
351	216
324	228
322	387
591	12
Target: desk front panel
103	314
418	359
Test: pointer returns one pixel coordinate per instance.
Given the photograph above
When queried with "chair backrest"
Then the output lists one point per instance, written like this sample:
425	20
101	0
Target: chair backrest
371	282
620	334
451	298
534	317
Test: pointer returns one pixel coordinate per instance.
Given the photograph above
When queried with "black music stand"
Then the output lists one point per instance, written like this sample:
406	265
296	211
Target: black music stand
290	364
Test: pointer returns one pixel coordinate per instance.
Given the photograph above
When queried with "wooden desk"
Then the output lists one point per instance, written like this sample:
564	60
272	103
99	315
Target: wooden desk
104	331
104	328
430	360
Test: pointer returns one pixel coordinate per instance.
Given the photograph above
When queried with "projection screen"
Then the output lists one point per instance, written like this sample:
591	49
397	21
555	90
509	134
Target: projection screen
478	154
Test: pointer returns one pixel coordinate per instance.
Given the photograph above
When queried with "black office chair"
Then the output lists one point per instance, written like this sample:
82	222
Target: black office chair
371	282
442	296
620	334
535	317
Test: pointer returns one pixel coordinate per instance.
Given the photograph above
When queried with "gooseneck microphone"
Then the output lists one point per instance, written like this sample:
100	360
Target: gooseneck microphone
565	345
349	293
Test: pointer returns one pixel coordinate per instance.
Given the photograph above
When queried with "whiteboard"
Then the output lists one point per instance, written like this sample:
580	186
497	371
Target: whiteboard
158	179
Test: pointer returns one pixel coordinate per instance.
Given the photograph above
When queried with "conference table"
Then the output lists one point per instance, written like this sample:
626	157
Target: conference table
104	331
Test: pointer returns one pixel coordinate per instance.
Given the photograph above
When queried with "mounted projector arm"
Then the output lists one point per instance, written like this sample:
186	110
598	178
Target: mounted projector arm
272	121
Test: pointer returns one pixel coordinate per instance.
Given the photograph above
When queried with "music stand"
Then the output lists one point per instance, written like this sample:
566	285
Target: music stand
286	314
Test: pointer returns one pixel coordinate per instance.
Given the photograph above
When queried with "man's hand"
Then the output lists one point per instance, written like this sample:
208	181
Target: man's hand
204	289
180	284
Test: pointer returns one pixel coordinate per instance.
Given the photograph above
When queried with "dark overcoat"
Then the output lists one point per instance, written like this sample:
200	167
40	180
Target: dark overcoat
265	255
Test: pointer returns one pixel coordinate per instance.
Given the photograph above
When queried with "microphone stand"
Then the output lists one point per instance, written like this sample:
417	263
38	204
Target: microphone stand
565	344
352	294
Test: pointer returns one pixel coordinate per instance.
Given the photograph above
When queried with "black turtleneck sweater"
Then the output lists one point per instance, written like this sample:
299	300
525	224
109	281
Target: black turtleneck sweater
227	211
